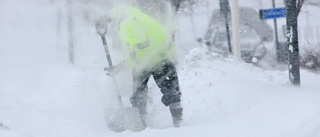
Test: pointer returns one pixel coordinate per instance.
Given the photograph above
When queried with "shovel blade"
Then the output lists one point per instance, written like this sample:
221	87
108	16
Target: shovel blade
121	119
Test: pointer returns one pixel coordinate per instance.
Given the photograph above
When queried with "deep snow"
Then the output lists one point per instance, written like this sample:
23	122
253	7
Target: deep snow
41	95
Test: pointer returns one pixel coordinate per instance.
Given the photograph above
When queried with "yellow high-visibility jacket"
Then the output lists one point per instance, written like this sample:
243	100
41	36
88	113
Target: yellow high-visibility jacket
148	41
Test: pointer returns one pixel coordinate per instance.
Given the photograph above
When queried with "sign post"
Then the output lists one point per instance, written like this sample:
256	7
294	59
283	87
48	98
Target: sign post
273	14
276	33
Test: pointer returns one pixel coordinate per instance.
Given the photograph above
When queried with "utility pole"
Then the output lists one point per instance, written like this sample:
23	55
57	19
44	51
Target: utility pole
292	40
58	23
276	33
70	26
235	28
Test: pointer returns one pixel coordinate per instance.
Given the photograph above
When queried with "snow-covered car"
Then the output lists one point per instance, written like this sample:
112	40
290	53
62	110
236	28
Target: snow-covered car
252	48
253	33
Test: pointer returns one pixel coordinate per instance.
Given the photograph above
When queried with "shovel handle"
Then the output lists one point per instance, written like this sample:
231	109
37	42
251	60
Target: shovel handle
104	42
102	28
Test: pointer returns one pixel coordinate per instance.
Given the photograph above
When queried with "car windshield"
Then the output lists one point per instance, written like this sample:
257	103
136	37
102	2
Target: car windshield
221	36
244	32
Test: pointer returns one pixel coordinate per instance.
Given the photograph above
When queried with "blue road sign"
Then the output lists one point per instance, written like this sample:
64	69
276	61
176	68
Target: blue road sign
272	13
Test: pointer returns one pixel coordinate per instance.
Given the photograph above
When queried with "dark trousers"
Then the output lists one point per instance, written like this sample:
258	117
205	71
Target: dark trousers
165	76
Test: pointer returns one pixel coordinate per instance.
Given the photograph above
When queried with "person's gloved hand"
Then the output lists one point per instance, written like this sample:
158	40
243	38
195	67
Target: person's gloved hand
111	71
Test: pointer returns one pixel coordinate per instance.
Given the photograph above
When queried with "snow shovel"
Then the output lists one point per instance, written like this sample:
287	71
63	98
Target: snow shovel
121	118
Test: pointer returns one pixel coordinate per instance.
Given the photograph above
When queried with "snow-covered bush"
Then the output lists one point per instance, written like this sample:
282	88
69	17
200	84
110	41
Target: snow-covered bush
310	57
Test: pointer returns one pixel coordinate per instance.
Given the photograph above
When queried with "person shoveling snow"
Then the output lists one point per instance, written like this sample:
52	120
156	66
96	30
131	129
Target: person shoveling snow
151	52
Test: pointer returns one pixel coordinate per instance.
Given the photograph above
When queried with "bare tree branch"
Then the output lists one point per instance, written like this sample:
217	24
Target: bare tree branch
299	6
312	4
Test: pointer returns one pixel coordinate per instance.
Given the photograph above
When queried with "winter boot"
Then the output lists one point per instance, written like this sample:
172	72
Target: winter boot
176	113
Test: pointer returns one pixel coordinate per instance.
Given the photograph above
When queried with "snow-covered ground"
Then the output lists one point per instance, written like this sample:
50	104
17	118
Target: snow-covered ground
42	95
